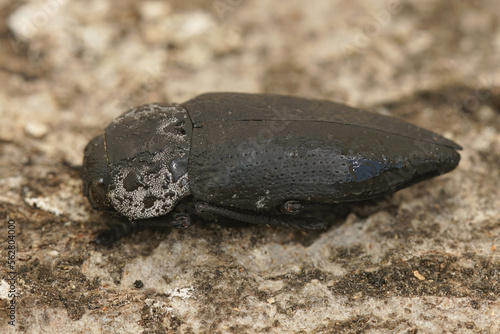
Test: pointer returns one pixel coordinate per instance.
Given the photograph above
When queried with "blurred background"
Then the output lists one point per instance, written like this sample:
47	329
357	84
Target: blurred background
67	68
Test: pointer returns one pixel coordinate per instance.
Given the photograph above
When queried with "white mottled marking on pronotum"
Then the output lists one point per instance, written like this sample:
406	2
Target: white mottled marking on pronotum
158	187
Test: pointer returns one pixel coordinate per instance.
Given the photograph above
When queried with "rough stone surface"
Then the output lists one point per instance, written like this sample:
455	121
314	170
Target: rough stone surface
425	260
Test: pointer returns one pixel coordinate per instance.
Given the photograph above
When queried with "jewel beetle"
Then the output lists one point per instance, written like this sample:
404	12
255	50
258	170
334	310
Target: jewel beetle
255	158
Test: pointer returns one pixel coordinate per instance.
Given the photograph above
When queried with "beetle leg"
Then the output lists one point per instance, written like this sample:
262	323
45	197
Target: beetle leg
181	221
291	207
115	233
293	222
204	214
177	220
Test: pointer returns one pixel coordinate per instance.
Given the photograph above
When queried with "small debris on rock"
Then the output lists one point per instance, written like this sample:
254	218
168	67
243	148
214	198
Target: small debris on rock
418	275
35	130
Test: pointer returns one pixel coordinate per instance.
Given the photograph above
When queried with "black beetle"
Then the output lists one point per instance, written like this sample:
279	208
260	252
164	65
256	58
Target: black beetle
255	158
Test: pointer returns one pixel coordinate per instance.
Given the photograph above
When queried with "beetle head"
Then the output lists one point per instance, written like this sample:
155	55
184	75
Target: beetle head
95	174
